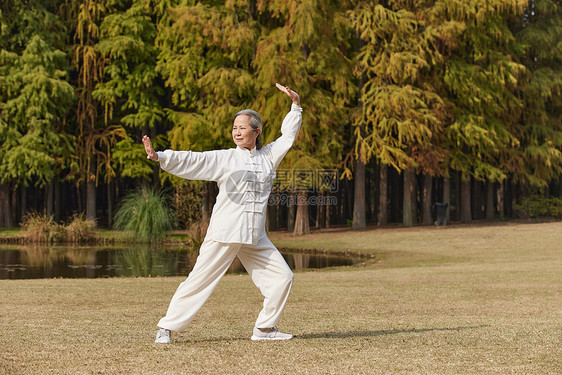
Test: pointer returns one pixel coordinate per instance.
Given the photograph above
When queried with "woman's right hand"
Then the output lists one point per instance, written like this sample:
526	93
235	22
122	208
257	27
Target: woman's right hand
150	153
290	93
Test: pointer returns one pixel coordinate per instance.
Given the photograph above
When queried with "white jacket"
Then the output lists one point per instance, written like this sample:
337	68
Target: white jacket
244	179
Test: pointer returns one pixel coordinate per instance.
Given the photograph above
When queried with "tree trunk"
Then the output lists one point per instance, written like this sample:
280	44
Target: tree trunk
109	204
512	197
15	206
490	208
91	200
476	199
321	207
5	206
408	204
382	217
271	218
427	191
58	202
49	197
328	210
290	213
91	193
302	225
396	201
466	212
501	200
458	196
359	221
23	203
447	197
205	214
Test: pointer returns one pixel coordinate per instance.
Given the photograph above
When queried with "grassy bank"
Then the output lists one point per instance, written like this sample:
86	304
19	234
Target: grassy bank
456	300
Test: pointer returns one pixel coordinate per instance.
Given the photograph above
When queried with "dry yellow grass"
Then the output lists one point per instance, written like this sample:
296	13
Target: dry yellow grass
457	300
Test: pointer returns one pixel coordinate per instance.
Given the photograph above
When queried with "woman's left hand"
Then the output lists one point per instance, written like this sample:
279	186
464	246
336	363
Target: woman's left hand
290	93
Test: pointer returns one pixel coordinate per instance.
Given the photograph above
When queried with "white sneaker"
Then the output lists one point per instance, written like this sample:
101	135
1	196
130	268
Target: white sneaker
163	336
269	334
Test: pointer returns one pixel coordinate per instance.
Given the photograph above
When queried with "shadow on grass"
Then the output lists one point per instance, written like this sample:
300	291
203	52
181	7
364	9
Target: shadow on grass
344	334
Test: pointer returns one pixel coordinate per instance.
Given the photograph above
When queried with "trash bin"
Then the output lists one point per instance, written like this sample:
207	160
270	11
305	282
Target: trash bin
440	210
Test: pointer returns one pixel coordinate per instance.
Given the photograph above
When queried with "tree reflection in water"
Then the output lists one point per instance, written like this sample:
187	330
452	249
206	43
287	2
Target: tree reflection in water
31	262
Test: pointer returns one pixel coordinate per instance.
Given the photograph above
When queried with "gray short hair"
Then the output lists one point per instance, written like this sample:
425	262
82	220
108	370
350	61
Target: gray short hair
255	123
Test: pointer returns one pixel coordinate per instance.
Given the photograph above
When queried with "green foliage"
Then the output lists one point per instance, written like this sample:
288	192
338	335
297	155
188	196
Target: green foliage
473	86
35	98
539	31
186	201
537	206
300	49
401	114
145	215
129	91
205	59
480	82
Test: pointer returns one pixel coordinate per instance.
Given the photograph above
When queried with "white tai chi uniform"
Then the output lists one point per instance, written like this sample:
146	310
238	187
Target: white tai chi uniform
237	226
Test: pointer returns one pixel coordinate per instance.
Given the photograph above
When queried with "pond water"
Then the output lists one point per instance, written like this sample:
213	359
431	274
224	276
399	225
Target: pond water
36	262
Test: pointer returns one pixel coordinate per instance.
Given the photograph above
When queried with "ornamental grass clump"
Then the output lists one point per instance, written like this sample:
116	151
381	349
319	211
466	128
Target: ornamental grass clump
145	215
38	228
80	230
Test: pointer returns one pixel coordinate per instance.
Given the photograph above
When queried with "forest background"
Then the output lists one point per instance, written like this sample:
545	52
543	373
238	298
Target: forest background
407	103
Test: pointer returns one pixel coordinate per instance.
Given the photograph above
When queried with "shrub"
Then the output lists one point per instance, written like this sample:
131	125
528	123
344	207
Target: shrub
41	229
536	206
145	215
197	232
186	203
80	230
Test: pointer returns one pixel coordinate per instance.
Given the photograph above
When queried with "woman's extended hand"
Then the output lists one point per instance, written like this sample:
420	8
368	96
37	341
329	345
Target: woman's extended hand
150	153
290	93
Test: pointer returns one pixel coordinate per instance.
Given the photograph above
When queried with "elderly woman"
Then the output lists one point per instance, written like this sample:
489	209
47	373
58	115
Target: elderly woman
237	228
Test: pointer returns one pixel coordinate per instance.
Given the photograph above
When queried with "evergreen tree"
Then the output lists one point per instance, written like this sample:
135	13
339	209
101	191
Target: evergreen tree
34	97
205	55
480	80
300	49
539	157
130	91
401	113
94	140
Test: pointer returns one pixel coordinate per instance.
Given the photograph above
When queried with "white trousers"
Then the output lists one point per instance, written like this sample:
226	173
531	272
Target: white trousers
263	262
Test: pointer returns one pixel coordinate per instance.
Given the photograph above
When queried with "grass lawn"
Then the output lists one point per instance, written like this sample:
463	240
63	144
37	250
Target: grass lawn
481	299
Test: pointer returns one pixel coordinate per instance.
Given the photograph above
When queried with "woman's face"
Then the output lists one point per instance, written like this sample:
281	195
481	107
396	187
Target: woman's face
243	134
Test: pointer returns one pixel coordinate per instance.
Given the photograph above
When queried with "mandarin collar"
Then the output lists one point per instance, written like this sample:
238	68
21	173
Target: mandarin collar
247	152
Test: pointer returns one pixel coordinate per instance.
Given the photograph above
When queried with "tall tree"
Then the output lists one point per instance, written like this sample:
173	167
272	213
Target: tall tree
300	49
539	30
34	97
206	51
479	82
130	91
402	112
94	140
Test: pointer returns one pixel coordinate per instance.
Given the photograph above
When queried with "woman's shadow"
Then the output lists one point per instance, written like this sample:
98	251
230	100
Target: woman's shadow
348	334
344	334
